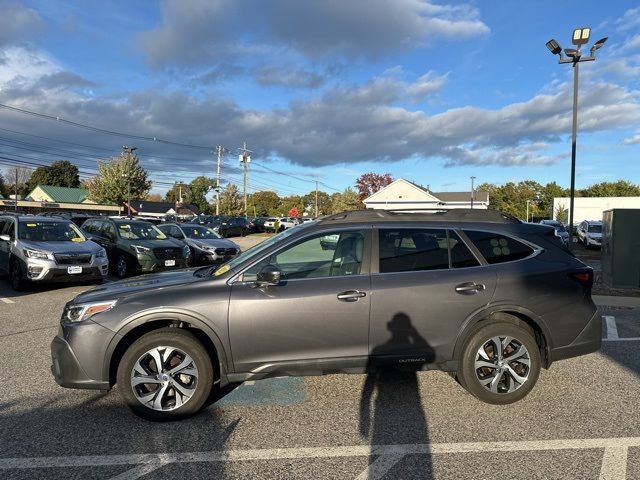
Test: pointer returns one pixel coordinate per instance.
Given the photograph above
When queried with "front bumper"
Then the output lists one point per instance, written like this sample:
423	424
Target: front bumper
149	263
587	341
67	371
40	270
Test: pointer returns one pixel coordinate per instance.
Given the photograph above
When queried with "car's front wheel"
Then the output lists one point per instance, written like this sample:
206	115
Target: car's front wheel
500	362
15	275
122	267
165	375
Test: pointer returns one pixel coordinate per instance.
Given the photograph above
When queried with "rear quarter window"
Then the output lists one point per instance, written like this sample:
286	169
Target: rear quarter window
497	248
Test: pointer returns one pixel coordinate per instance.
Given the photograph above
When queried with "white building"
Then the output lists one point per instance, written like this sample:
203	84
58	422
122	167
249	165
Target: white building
402	194
591	208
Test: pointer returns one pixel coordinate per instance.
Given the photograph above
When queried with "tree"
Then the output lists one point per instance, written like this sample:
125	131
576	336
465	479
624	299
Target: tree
369	183
231	202
293	212
3	186
324	203
197	192
59	174
549	192
562	214
621	188
110	184
22	175
345	201
264	203
154	197
292	201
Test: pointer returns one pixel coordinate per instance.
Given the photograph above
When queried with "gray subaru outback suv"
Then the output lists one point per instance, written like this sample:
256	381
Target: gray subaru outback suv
475	293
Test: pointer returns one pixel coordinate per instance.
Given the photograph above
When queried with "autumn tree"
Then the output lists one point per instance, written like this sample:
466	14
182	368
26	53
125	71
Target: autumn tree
231	202
369	183
621	188
324	203
59	174
114	177
153	197
292	201
345	201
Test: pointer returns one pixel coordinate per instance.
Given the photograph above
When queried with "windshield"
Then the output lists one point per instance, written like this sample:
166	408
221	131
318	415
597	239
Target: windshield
139	231
49	232
197	232
256	249
595	228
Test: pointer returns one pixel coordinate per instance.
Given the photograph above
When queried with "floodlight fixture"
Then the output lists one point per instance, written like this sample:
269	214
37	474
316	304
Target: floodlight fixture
572	52
599	44
581	35
554	47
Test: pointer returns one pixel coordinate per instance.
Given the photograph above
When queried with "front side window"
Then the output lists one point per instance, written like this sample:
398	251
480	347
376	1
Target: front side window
49	232
497	248
409	250
309	259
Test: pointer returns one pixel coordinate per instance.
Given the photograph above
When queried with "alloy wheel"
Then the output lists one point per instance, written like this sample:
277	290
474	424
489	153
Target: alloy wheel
502	364
121	267
164	378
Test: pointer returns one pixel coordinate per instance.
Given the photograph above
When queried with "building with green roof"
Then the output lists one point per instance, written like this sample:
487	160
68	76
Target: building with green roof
48	193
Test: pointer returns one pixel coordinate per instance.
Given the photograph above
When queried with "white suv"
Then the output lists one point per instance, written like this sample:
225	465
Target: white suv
590	233
283	223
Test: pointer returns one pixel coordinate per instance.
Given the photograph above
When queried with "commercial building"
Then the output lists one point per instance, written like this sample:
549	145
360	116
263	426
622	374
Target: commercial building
591	208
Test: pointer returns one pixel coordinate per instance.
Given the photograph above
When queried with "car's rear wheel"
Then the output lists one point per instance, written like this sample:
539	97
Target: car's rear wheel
15	275
165	375
500	362
122	267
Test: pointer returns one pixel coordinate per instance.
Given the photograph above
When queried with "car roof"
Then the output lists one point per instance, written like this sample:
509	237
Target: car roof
438	215
37	218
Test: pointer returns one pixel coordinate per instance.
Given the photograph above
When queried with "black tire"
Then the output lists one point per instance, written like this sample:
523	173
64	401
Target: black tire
167	337
15	275
480	337
122	266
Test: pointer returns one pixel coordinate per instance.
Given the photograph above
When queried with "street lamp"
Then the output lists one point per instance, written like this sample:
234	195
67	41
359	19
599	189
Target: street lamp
129	151
574	57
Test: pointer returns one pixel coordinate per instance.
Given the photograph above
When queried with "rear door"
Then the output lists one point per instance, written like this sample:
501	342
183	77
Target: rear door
425	284
317	318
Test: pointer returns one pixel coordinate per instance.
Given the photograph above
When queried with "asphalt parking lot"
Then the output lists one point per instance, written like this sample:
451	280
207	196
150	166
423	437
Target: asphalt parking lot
581	421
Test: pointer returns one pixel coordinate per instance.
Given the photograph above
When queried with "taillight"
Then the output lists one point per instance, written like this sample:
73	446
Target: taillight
583	277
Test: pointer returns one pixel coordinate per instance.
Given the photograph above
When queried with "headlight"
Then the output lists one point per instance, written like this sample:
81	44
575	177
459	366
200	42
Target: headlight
204	246
35	254
83	311
139	249
102	253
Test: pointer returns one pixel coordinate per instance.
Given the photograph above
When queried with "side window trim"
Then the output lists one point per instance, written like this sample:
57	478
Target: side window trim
472	248
536	249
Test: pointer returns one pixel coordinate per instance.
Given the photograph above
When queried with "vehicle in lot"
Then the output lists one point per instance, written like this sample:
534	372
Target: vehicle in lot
473	292
42	249
589	232
233	226
136	246
283	223
206	246
329	242
560	229
258	224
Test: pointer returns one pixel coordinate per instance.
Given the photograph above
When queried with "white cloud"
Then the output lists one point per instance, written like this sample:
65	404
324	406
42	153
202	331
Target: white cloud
630	19
19	23
633	140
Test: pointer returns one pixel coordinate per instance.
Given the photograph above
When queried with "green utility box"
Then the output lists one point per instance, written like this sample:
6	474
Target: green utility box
621	247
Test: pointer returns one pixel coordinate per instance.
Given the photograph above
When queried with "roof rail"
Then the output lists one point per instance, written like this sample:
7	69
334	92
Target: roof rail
426	214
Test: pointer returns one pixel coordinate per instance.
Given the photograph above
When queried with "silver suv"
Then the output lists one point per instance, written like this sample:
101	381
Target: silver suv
38	249
472	292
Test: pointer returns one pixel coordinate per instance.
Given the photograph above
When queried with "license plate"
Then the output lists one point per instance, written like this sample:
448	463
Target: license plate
169	263
73	270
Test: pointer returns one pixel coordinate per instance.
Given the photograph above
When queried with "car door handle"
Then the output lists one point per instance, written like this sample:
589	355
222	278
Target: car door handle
469	288
351	295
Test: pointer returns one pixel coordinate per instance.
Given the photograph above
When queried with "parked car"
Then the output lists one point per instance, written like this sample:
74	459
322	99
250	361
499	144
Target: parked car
258	224
207	247
282	222
561	231
43	249
589	233
329	242
136	246
233	226
472	292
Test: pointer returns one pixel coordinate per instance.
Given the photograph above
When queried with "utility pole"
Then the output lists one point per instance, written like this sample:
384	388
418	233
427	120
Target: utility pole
245	159
472	192
16	190
316	199
129	151
219	153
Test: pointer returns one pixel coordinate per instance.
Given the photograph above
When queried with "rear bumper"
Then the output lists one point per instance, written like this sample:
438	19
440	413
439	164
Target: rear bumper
587	341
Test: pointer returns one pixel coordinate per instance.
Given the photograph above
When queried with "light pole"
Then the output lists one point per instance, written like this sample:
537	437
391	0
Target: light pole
574	57
472	193
129	151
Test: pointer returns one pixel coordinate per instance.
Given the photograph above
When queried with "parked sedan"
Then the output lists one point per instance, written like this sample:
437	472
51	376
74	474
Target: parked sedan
561	232
207	247
234	226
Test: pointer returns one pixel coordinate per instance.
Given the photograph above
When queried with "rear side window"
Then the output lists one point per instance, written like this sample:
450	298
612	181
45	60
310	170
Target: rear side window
409	250
496	248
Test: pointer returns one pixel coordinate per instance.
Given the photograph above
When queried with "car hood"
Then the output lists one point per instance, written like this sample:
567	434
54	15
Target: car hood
214	242
123	288
62	247
167	242
595	236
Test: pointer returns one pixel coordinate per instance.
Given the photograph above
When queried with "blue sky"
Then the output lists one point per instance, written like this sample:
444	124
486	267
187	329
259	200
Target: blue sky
433	92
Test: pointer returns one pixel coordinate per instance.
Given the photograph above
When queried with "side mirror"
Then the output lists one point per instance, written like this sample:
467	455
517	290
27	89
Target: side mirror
269	276
5	238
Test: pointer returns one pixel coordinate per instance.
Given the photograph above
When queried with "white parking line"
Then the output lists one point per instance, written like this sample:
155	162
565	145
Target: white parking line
614	455
6	300
623	339
612	328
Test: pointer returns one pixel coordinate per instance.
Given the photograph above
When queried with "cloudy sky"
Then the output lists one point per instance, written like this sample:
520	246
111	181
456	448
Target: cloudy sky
433	92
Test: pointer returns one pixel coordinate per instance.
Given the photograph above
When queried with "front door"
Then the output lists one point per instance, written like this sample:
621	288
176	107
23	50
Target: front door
318	316
6	228
428	282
